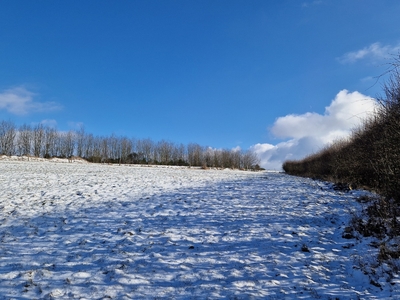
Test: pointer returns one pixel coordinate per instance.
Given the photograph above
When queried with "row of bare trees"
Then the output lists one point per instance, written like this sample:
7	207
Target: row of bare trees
47	142
371	156
38	141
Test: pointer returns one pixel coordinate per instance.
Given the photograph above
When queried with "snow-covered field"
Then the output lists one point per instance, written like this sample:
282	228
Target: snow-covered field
90	231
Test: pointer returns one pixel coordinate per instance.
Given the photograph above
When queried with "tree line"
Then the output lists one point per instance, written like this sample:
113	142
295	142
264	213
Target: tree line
370	157
47	142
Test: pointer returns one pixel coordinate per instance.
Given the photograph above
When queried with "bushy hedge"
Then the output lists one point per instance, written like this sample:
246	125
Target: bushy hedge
370	157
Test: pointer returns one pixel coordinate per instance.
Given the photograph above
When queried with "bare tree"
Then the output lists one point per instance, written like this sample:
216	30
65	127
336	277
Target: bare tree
208	156
80	141
146	149
96	149
67	144
24	140
70	144
195	154
114	148
58	145
88	146
50	142
7	137
226	158
217	158
179	154
126	149
38	137
104	149
165	151
250	160
61	145
236	158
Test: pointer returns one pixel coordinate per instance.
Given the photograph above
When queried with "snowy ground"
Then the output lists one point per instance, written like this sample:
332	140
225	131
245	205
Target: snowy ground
90	231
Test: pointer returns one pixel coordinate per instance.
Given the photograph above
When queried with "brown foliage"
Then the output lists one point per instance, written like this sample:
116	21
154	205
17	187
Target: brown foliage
370	158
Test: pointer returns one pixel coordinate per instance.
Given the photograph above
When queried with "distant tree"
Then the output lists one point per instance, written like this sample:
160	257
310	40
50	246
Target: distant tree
236	158
217	158
126	149
50	142
195	154
145	148
38	137
24	140
96	150
70	143
114	148
250	160
88	146
60	145
165	152
208	157
67	144
226	158
80	141
179	155
104	149
7	137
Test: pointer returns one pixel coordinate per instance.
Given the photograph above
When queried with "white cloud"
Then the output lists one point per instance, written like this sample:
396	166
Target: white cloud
309	132
19	101
237	149
374	52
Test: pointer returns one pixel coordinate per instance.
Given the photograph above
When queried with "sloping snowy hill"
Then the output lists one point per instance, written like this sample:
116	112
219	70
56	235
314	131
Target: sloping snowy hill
88	231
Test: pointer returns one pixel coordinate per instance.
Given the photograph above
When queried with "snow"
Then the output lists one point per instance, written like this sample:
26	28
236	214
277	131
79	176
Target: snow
92	231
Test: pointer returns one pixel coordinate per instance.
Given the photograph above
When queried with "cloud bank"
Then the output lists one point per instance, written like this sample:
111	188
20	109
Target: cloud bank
19	101
374	52
309	132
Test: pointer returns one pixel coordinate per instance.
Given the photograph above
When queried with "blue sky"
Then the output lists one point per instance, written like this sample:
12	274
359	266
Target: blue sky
218	73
